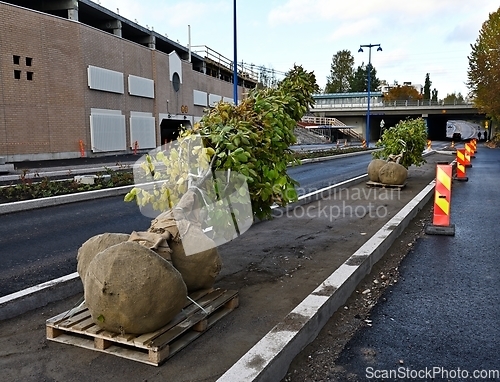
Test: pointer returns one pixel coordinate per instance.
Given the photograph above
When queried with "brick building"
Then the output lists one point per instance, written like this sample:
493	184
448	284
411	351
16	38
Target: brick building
76	78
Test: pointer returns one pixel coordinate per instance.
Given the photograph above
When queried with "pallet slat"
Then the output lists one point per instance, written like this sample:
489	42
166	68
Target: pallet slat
383	185
75	327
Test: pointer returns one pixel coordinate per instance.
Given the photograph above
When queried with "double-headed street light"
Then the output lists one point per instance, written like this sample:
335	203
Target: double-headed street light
369	69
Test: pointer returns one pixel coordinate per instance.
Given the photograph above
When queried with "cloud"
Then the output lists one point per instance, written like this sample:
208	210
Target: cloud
356	28
310	11
464	32
191	12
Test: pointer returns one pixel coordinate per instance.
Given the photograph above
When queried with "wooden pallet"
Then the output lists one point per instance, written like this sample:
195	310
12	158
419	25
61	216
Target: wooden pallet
75	327
382	185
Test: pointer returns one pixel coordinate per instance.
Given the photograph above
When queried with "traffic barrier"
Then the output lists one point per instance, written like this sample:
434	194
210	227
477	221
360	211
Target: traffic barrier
452	144
474	146
429	145
469	151
467	157
364	144
442	203
461	173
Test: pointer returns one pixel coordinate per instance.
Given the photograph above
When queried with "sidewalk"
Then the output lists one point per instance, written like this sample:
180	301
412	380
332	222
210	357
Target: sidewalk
441	321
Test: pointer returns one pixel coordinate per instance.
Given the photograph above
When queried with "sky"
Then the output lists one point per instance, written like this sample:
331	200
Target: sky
417	38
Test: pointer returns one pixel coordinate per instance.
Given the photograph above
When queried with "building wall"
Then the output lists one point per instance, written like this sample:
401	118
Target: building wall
41	115
47	116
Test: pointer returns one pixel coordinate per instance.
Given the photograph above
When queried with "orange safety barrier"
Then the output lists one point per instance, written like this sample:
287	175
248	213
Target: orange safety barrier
442	203
474	145
469	151
429	145
364	144
467	156
460	175
82	148
452	144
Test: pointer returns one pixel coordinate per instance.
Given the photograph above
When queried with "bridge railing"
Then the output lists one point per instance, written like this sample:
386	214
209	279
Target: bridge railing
346	104
224	62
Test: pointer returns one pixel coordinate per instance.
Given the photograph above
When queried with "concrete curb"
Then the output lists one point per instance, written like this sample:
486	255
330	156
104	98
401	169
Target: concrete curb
270	358
65	172
51	201
338	156
40	295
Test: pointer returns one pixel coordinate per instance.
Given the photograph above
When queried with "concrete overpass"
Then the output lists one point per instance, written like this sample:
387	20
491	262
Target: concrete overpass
351	109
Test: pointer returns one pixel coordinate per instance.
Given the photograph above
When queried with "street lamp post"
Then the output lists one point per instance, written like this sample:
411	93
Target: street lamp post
369	69
235	61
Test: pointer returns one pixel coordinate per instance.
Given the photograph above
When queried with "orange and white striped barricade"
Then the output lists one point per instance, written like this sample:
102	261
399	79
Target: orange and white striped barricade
442	203
474	146
461	173
469	148
467	156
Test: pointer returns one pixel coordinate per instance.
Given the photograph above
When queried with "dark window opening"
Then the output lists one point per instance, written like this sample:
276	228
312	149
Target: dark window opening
29	61
170	129
17	74
176	81
29	76
17	60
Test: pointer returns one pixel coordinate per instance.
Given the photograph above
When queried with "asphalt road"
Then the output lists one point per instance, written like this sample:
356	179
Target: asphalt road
313	176
39	245
441	321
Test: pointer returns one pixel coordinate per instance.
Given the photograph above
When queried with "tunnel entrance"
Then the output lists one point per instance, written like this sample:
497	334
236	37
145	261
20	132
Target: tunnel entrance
170	129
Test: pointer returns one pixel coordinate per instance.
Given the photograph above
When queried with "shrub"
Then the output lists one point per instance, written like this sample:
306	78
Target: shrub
409	137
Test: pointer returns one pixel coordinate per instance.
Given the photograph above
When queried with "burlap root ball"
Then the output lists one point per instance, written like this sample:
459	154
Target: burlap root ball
131	289
373	169
393	173
93	246
198	270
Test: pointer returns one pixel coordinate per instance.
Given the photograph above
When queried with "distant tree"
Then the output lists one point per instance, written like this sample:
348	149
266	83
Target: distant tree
359	82
484	68
453	98
403	93
341	72
434	96
427	87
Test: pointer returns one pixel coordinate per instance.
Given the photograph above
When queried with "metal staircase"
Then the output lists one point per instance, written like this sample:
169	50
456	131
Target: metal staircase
309	121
